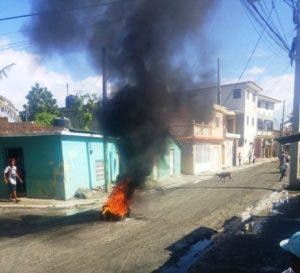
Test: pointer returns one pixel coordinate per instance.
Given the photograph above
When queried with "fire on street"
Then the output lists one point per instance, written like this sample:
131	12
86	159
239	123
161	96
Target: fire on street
152	237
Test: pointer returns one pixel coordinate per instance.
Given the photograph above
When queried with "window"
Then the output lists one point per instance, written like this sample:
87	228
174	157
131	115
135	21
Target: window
202	153
252	121
271	106
248	94
260	124
253	98
236	93
267	105
259	104
247	120
217	121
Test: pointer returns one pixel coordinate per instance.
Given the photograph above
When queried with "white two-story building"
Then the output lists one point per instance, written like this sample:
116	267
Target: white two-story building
252	109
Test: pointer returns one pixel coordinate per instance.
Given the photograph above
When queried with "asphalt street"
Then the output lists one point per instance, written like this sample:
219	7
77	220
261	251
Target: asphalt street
163	224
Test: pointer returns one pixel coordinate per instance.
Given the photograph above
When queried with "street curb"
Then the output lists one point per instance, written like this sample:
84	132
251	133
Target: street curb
94	202
99	202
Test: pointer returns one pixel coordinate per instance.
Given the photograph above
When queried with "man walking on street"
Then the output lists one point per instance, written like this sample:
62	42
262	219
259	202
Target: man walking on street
10	178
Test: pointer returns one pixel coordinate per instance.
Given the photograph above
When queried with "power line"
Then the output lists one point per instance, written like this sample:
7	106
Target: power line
279	21
265	39
260	19
62	11
250	57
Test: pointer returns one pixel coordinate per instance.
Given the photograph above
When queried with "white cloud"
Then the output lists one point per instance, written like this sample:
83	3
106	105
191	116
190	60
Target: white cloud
28	70
253	72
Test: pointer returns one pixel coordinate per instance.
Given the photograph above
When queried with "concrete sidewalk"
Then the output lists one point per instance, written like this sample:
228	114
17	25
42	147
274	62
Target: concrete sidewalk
27	203
98	199
178	180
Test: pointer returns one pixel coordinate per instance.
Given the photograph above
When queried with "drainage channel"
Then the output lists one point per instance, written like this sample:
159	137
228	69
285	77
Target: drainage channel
185	262
250	224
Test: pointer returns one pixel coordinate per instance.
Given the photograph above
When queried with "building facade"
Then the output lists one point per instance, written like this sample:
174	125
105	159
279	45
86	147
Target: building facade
254	116
8	110
243	98
206	146
168	164
265	146
55	162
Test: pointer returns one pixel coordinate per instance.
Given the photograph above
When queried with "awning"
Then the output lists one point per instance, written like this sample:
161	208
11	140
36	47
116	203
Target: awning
288	139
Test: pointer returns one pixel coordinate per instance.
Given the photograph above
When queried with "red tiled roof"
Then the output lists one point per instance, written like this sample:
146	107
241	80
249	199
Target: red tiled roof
25	128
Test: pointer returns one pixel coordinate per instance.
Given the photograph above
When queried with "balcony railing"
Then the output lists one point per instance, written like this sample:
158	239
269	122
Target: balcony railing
201	129
264	132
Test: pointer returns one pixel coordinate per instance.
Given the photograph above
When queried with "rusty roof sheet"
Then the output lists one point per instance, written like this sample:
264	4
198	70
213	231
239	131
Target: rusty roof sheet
26	128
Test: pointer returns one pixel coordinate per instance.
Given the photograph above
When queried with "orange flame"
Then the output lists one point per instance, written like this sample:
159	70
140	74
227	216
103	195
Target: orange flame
117	204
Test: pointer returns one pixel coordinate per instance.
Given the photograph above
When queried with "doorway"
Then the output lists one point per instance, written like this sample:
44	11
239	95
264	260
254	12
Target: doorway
171	163
17	153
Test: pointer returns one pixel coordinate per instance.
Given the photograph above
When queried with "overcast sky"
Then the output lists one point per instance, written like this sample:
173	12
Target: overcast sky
232	34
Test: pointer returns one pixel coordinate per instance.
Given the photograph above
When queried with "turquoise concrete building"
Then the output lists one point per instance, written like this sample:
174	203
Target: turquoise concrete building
169	164
55	162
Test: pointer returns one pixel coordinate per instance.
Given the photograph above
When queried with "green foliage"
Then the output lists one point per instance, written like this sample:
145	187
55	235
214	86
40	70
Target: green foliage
44	118
82	110
39	100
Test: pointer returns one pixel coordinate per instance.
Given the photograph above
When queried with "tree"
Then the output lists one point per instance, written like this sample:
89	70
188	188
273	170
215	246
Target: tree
44	118
82	109
39	100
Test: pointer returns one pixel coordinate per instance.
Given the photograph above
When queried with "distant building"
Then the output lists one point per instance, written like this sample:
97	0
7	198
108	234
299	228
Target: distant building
208	145
254	115
264	144
8	110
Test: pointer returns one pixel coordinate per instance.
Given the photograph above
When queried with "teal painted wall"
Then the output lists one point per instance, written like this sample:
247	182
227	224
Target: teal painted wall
113	162
56	166
83	163
163	165
42	163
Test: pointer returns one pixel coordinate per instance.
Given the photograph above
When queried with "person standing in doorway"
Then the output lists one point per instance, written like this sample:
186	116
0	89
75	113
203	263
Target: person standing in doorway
10	178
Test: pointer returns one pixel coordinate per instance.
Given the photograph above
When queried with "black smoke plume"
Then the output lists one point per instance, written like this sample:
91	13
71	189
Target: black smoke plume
155	48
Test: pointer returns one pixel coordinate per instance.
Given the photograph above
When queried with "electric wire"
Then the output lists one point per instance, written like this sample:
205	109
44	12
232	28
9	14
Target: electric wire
250	58
62	10
265	39
260	19
279	22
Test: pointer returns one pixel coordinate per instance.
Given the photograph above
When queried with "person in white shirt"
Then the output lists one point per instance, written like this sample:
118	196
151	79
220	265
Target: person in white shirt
10	178
292	245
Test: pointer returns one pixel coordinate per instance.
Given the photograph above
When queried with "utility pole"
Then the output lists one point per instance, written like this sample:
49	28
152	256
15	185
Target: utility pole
294	148
104	101
282	119
219	84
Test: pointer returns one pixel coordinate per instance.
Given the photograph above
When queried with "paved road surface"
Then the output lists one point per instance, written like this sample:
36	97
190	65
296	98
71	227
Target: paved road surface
151	238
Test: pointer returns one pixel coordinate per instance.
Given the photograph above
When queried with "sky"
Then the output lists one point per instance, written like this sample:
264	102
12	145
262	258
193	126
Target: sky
232	34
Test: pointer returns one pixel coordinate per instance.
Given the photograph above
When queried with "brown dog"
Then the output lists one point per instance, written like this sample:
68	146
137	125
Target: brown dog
223	175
